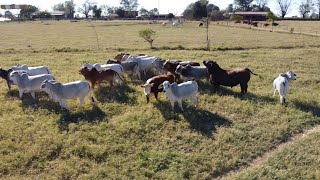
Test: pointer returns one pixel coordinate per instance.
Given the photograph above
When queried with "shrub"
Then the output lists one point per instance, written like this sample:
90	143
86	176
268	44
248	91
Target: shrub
148	35
291	30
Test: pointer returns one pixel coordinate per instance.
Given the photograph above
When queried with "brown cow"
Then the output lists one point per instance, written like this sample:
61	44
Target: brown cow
171	66
4	74
231	78
95	76
152	85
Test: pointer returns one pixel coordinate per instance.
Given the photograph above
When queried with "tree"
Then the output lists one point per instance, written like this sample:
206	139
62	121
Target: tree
130	5
96	11
27	12
86	7
44	14
143	12
120	12
188	12
305	8
153	11
68	7
148	35
261	4
230	8
170	16
244	5
284	6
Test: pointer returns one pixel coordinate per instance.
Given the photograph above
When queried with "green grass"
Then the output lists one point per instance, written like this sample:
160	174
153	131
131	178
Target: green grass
123	137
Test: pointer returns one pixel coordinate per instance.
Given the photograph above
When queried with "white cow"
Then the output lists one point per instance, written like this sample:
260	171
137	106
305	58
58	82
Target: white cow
281	84
29	84
61	92
32	71
178	92
116	67
144	63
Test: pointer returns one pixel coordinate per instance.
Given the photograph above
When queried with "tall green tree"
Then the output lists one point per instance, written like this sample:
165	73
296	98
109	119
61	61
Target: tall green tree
68	7
130	5
27	12
96	11
243	5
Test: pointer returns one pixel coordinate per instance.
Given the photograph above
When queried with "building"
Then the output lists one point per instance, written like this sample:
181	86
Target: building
58	14
253	16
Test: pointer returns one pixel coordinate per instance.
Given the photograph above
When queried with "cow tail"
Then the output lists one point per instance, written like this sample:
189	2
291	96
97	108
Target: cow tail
90	94
252	72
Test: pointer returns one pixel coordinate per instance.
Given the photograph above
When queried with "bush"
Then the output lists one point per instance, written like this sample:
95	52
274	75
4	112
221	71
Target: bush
148	35
291	30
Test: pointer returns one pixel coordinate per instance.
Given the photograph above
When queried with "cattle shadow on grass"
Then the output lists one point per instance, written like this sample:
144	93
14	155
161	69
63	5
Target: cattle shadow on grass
206	88
120	94
95	114
200	120
307	107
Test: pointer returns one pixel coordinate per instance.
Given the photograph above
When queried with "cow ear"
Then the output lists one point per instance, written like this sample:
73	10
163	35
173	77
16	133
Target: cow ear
160	86
143	86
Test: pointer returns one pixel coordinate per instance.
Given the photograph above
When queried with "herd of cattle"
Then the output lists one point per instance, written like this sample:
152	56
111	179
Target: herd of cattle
164	77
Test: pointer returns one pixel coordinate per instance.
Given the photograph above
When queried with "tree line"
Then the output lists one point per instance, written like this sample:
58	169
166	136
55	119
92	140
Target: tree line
196	10
202	8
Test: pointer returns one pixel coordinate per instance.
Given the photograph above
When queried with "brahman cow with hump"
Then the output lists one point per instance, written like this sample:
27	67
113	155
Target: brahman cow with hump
62	92
231	78
144	63
152	84
32	71
5	74
192	73
29	84
178	92
95	76
281	84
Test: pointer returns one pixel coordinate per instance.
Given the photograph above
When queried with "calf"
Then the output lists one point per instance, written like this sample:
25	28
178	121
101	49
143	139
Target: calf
152	84
32	71
95	76
190	72
29	84
180	92
231	78
73	90
281	84
201	24
4	74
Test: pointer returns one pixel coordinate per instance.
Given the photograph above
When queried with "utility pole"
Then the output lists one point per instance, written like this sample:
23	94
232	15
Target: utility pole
158	11
208	41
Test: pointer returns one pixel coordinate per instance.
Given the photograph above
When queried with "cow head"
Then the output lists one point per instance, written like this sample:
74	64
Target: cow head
165	85
291	75
211	66
147	89
179	69
3	73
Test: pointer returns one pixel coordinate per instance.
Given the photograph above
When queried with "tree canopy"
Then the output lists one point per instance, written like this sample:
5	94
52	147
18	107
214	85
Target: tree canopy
67	7
130	5
27	12
200	9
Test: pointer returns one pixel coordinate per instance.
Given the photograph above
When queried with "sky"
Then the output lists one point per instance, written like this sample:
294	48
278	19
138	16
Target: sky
174	6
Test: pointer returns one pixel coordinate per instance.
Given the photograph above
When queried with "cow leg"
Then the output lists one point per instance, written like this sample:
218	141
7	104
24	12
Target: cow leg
180	104
81	102
244	88
63	103
93	83
33	95
20	93
172	105
9	85
274	92
147	99
156	95
194	100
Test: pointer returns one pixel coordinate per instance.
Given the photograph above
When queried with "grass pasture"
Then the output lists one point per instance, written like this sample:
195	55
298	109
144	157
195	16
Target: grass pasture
122	137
